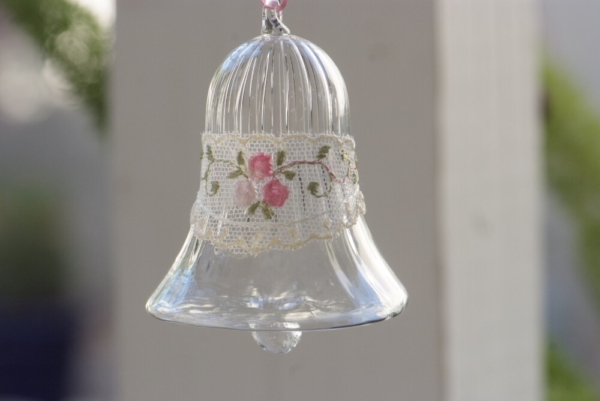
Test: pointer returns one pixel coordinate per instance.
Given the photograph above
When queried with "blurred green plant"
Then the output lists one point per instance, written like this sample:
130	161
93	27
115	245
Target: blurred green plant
32	255
572	148
572	131
565	383
73	40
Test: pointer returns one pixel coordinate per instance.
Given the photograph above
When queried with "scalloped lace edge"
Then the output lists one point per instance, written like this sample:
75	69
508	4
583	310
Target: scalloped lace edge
243	246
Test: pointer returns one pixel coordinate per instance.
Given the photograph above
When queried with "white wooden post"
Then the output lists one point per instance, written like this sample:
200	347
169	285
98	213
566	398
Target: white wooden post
489	185
443	110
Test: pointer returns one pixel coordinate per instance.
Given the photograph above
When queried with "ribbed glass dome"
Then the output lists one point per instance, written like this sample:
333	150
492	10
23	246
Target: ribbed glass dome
282	86
278	84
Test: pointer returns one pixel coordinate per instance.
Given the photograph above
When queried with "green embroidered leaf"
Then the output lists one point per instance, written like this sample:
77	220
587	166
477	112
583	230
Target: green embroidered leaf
235	173
267	211
280	158
240	158
201	154
205	176
209	153
313	188
355	177
345	156
323	152
289	175
214	188
252	208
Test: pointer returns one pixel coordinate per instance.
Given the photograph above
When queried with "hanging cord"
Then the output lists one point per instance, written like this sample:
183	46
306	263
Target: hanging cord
272	24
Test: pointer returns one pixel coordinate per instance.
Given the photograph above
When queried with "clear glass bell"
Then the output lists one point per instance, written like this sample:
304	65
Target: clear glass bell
278	243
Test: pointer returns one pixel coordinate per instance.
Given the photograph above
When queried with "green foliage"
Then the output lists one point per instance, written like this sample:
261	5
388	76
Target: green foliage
323	152
267	211
280	158
289	175
313	188
253	207
214	188
73	40
565	383
209	153
32	264
236	173
240	159
573	162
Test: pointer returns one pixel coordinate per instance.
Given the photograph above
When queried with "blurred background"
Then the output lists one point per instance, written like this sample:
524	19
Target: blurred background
56	289
55	338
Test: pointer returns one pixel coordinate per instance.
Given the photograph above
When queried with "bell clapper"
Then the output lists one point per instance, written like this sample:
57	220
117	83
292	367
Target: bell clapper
277	342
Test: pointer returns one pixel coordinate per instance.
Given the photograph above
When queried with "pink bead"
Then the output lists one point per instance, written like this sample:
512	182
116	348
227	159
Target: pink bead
276	5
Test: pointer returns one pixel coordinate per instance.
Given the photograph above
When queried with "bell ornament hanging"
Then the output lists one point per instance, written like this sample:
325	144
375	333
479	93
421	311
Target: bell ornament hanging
278	243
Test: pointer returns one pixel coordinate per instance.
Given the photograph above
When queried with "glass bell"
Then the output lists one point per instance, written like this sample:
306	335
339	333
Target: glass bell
278	243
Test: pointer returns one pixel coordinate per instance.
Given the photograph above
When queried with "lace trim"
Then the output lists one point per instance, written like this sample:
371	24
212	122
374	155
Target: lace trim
204	223
261	192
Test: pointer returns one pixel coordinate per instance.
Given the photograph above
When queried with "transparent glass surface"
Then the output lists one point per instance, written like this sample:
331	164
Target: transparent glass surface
325	284
280	84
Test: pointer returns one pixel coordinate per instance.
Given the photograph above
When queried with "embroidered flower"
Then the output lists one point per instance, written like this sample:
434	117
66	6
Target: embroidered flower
248	177
275	193
260	167
244	193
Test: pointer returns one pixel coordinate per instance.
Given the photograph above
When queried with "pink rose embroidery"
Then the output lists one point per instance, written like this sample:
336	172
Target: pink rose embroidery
275	193
258	171
260	167
244	193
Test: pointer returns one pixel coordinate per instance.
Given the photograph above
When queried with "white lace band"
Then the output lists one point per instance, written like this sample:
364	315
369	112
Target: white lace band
260	192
